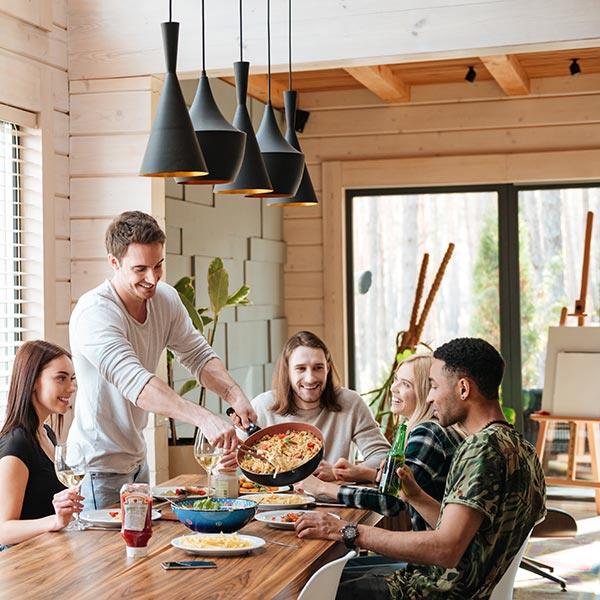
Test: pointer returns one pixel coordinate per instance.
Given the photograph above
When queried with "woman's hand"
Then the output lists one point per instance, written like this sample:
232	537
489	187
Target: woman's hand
65	504
228	460
344	470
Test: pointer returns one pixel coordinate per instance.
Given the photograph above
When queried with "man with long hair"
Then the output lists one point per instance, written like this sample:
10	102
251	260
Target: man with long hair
306	388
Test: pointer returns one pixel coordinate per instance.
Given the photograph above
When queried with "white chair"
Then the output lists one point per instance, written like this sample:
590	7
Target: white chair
504	588
324	583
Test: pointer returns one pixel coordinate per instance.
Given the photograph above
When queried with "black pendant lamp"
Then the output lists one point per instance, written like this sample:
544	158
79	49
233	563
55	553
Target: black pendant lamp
305	196
222	144
173	148
252	177
284	163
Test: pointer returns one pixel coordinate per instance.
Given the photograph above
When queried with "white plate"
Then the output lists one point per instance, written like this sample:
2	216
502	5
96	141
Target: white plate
104	518
272	517
256	543
281	501
168	493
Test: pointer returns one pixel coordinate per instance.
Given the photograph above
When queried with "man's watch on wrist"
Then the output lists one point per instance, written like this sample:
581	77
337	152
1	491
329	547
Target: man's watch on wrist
349	534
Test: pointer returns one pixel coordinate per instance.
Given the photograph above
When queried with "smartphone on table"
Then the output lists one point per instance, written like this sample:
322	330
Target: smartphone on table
188	564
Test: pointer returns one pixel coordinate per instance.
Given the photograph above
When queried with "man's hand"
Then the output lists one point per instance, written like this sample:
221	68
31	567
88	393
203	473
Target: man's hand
324	471
243	409
319	525
410	489
219	432
344	470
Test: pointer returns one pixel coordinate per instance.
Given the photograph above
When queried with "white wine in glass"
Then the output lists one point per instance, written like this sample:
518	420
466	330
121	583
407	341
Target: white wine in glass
206	455
70	467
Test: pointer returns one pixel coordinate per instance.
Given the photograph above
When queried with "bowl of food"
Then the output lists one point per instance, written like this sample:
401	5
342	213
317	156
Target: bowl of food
281	454
215	515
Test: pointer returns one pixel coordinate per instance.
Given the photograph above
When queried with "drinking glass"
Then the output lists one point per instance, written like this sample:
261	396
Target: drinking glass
70	467
206	455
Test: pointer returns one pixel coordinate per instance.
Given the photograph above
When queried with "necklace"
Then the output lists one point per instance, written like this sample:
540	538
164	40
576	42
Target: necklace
497	422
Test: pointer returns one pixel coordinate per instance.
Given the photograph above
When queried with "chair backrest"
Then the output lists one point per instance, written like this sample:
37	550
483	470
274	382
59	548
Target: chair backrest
504	588
324	583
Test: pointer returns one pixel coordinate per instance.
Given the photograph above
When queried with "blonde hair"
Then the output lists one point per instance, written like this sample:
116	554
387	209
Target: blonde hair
421	364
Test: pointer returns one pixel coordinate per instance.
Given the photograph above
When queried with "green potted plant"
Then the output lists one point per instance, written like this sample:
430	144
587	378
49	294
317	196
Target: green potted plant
205	320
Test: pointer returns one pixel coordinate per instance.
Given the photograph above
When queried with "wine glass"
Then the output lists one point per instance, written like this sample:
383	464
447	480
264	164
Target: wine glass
206	455
70	466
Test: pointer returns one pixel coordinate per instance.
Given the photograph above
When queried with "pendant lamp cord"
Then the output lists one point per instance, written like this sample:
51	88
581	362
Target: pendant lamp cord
170	10
241	29
203	43
269	49
290	43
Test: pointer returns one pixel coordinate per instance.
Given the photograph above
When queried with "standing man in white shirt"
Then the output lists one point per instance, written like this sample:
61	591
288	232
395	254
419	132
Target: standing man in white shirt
118	332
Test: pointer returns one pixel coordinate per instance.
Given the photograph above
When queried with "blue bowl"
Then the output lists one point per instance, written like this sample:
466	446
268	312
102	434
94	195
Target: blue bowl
232	515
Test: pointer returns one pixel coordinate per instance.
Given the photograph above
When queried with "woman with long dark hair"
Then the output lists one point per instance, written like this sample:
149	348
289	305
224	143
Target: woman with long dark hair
33	501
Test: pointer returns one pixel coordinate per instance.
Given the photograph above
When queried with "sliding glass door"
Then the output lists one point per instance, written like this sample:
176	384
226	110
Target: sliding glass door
516	263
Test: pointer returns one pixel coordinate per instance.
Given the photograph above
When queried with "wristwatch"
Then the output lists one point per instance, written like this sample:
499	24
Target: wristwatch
349	534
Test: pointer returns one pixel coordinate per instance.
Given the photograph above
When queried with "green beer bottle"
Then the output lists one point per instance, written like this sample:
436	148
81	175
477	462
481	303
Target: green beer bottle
390	482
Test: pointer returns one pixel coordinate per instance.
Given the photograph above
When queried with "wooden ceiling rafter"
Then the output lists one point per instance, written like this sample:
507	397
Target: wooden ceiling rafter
508	73
382	81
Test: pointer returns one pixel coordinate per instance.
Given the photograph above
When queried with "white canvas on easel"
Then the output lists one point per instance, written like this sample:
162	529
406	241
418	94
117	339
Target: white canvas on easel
572	375
577	384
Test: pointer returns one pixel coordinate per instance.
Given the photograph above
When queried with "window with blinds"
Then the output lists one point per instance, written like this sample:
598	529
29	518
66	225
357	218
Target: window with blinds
11	252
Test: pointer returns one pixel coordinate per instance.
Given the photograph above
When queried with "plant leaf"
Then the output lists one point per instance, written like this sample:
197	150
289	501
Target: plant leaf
188	386
218	285
194	316
239	297
185	286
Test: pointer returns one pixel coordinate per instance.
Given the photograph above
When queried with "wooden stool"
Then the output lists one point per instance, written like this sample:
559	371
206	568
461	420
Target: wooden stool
576	448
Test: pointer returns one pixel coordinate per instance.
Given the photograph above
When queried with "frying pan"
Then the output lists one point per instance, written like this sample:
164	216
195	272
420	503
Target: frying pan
283	477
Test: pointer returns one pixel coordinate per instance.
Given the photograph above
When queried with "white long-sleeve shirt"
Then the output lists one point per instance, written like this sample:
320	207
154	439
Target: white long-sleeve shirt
114	357
354	424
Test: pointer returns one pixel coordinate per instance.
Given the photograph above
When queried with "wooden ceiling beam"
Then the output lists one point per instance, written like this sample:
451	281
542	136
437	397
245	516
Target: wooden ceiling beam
380	80
258	87
508	73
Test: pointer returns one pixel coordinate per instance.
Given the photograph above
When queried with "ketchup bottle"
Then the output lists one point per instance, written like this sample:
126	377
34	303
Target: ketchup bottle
136	518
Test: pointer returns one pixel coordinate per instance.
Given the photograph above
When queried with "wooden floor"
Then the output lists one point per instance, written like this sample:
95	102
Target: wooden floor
585	587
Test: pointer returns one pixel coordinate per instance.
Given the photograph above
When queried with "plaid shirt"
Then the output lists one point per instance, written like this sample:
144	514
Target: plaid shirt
429	451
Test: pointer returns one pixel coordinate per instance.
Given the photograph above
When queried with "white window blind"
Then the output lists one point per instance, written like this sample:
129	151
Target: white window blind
11	253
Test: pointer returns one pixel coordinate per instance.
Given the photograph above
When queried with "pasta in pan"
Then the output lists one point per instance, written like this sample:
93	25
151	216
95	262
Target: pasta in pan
285	451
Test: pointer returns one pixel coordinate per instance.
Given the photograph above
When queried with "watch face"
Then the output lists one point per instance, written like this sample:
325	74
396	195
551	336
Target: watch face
349	535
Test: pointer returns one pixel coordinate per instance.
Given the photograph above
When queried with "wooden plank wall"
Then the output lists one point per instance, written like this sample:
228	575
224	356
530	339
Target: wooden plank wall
33	78
353	139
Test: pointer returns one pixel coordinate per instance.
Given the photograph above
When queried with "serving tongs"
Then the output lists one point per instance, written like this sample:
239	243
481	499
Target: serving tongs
255	454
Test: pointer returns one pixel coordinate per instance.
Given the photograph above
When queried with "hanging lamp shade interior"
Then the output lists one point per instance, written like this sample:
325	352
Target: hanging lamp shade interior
252	178
222	144
305	196
173	148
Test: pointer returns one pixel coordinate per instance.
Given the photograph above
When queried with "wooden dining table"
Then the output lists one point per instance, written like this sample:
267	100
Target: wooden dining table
92	564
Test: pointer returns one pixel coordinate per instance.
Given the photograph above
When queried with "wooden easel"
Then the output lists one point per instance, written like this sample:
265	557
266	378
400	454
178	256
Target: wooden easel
576	424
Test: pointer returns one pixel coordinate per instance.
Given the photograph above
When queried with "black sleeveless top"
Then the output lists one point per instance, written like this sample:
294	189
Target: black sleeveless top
42	482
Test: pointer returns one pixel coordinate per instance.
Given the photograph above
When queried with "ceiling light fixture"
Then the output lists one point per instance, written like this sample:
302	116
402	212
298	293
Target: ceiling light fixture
284	163
222	144
252	177
471	74
173	148
305	196
574	66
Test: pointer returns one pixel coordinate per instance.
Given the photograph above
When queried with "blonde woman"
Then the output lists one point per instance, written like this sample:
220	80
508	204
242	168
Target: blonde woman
428	451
